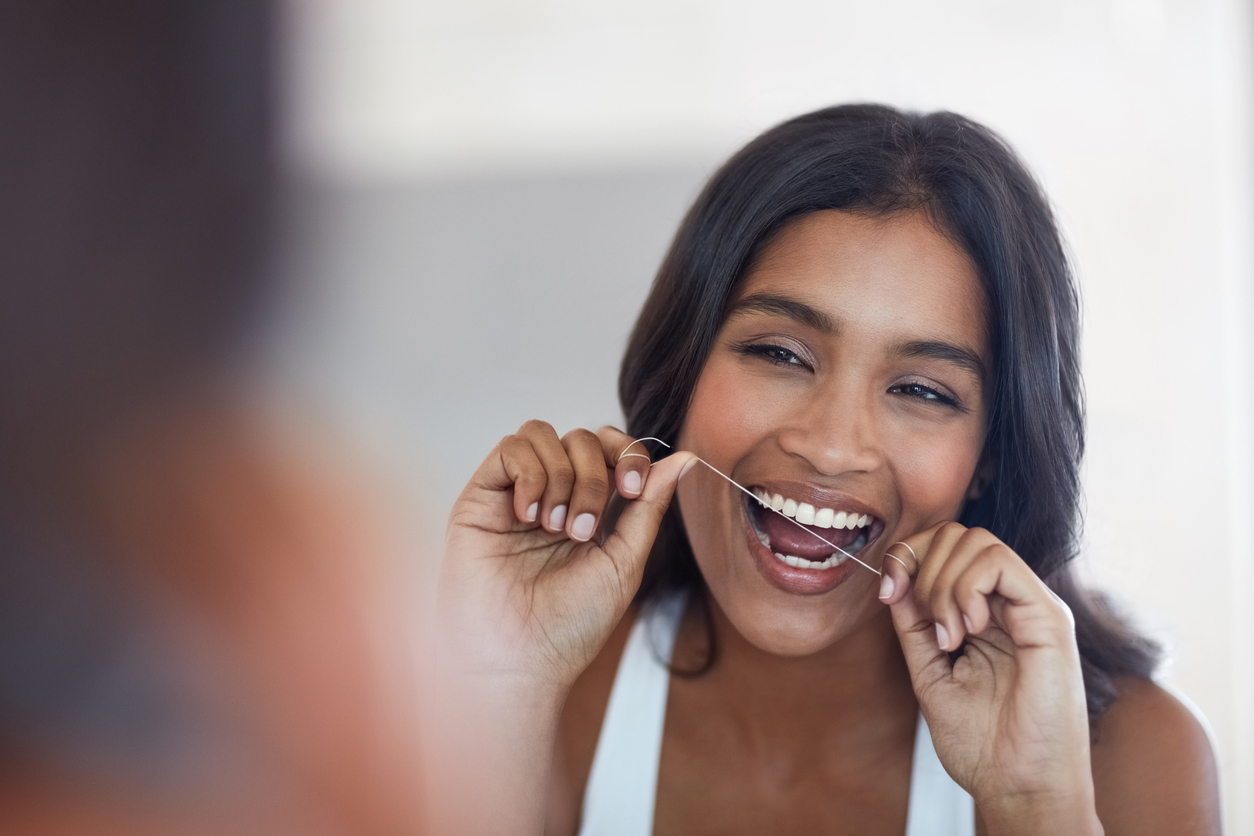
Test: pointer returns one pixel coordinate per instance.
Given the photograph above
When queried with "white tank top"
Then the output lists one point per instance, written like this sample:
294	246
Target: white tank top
622	785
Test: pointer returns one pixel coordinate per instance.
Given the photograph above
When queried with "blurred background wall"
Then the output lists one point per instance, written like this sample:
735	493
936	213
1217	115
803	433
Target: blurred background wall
482	190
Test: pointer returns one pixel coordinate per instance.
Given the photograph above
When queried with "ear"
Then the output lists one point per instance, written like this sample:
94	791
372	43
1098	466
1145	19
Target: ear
982	477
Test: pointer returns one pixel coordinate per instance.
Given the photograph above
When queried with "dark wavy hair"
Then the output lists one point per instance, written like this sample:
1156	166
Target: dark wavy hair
876	160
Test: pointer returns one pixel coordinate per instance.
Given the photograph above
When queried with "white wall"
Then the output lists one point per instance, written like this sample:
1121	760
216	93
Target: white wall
487	185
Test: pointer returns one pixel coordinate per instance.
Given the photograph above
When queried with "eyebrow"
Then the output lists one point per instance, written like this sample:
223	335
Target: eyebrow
963	358
769	303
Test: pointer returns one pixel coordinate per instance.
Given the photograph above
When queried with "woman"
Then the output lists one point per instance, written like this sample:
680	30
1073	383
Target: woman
867	320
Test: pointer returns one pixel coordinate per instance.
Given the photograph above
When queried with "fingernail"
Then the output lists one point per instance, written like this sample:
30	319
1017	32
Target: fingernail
886	586
631	482
942	636
966	621
532	510
582	529
558	518
691	463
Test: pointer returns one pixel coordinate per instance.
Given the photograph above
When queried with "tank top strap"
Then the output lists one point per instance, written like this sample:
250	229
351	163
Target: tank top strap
622	785
938	806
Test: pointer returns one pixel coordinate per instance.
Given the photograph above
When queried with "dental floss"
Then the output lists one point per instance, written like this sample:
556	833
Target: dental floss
625	454
898	559
907	545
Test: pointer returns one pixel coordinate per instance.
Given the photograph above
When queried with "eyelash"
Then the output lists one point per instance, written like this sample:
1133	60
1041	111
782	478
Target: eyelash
925	393
772	354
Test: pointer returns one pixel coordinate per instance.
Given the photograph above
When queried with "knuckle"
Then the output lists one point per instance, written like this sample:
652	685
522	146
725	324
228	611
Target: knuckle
562	476
986	559
518	452
579	435
594	483
998	552
975	538
534	426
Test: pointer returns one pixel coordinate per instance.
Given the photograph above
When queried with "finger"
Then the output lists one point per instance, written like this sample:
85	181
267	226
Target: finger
558	470
972	589
927	662
629	460
591	490
636	528
942	604
520	468
944	538
901	563
896	571
908	553
1018	601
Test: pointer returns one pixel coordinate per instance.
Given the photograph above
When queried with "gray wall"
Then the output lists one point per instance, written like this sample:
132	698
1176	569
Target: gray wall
438	316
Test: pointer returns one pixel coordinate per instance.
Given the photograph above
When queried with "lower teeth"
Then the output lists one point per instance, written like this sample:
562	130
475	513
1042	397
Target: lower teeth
802	563
834	559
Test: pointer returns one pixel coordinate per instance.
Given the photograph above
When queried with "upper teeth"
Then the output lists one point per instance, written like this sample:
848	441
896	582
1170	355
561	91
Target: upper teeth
807	514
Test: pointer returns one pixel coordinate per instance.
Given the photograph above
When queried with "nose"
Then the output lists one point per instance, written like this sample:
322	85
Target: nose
834	429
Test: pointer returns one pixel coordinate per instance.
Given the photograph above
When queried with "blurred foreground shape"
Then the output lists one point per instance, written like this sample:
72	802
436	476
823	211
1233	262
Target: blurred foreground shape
208	620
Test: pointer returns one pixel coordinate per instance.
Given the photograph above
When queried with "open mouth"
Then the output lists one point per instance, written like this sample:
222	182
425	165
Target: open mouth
813	538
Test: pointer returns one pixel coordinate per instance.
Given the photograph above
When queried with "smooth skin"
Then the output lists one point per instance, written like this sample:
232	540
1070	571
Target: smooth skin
806	723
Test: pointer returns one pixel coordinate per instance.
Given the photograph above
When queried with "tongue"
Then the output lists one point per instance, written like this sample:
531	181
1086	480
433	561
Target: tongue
790	537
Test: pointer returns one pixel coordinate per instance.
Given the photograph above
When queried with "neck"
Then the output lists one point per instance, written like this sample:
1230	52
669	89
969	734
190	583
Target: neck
857	689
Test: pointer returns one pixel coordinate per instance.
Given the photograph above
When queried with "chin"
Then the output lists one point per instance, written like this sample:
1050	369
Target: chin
781	625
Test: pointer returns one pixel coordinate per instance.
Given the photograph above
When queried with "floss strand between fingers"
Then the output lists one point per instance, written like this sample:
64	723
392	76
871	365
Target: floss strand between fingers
755	499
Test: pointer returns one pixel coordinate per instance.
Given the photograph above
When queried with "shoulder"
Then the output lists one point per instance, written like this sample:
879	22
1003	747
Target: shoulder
1154	770
579	729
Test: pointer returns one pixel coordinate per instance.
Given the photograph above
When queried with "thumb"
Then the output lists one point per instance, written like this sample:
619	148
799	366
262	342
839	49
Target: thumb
928	664
637	526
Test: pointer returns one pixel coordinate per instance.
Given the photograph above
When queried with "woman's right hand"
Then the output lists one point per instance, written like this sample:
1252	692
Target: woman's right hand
529	593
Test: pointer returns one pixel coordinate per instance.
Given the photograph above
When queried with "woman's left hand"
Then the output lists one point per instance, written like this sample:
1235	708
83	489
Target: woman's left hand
1008	718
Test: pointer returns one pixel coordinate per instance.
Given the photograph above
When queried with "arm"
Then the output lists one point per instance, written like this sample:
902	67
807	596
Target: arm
1154	770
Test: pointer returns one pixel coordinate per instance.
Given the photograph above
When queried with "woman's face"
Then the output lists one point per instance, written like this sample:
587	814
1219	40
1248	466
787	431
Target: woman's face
849	382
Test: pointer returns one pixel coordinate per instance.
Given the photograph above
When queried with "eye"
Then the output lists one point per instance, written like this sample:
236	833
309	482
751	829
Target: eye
924	393
776	354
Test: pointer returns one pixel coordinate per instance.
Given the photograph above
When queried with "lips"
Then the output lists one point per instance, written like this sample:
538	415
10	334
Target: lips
809	552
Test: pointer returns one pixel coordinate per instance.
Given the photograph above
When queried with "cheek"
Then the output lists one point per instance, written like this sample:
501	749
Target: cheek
723	423
725	417
933	475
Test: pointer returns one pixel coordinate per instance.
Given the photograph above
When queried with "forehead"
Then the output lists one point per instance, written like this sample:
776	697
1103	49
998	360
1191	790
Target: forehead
896	274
